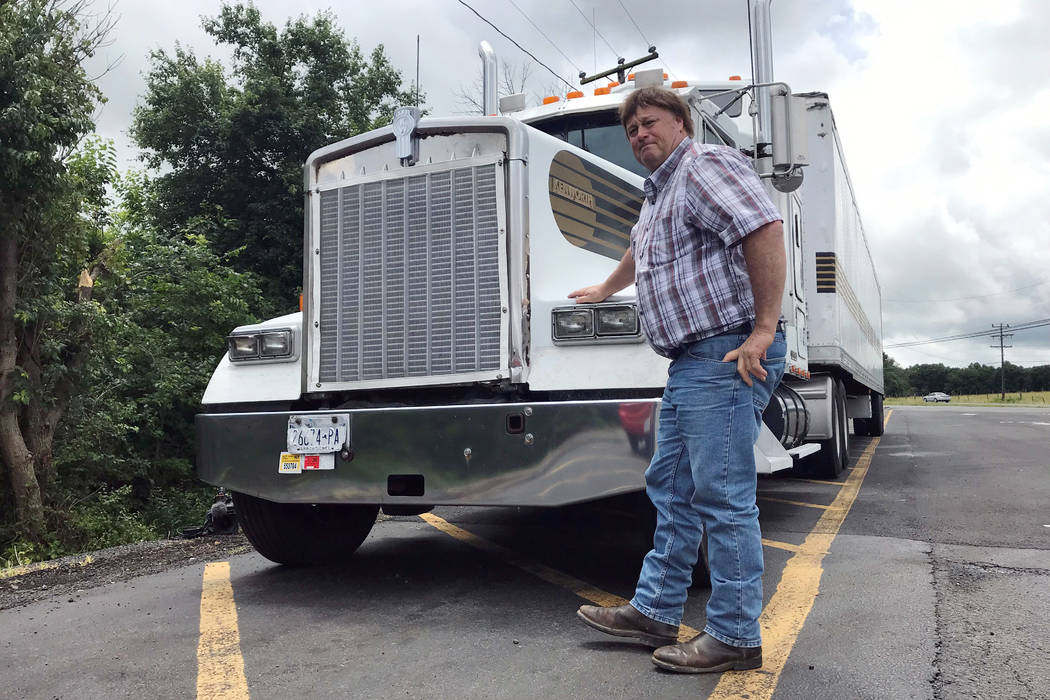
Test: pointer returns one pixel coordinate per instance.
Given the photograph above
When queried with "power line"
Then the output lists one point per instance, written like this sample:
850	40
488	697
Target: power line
975	334
1002	336
556	48
522	48
978	296
648	43
615	52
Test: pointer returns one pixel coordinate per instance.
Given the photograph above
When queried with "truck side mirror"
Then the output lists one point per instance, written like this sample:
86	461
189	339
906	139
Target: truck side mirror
790	145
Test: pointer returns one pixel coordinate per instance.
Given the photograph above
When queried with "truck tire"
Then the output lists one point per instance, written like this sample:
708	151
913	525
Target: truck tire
304	534
833	456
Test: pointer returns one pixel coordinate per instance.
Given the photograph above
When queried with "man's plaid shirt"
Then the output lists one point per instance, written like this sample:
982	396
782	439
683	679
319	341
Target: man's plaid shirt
690	271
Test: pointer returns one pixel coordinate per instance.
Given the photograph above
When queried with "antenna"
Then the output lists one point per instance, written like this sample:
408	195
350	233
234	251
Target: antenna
621	68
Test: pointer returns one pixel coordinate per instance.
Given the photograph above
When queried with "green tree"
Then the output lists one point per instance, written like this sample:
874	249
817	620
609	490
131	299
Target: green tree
895	378
233	143
52	204
169	303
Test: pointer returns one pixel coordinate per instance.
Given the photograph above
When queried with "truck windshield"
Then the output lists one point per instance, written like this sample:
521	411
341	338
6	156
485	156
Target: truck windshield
599	133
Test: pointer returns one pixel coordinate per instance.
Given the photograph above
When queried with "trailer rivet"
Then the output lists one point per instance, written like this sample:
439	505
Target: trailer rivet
528	411
318	385
504	309
317	251
529	439
335	419
316	324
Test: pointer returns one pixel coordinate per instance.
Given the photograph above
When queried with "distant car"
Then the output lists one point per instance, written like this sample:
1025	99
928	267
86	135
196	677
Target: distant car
937	397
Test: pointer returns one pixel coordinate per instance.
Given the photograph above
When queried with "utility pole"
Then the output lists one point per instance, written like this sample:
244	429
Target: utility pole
1002	354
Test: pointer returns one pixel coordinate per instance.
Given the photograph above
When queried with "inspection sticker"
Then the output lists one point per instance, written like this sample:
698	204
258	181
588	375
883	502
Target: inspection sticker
321	461
290	464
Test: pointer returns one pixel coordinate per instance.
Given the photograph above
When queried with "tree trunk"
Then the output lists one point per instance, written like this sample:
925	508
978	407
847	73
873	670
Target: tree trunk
13	450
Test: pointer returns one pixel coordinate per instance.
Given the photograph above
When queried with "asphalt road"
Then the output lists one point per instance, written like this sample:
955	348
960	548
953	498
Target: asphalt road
923	574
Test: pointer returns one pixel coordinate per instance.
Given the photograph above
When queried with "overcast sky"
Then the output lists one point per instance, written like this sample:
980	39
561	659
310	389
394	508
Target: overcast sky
941	106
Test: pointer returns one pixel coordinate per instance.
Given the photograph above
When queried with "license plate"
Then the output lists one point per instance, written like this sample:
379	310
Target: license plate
318	434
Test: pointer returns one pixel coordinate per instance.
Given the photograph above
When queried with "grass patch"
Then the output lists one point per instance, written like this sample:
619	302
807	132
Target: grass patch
1013	398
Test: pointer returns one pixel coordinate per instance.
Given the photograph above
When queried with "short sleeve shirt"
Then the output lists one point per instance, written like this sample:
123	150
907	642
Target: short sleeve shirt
690	270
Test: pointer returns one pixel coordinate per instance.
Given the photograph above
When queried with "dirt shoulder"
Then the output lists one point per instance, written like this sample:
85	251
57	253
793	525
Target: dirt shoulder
24	585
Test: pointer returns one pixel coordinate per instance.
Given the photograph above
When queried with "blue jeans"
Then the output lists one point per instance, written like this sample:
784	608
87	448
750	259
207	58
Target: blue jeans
702	477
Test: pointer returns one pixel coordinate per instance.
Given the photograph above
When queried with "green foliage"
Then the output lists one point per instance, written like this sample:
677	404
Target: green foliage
919	380
123	306
233	142
168	307
46	102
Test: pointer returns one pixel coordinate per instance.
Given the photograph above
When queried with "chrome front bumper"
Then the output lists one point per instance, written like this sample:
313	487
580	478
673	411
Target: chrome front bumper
535	454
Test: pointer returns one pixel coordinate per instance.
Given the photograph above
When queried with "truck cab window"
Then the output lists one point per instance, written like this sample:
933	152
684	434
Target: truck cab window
599	133
711	136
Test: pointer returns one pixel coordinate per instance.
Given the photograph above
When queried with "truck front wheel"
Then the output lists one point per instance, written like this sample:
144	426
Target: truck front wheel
304	534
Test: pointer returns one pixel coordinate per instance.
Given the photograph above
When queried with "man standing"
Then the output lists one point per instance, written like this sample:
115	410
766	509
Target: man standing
707	256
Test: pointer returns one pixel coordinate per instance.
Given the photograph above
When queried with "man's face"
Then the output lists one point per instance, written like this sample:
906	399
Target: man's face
654	133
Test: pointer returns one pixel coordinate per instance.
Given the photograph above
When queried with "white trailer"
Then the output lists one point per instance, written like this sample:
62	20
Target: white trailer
437	359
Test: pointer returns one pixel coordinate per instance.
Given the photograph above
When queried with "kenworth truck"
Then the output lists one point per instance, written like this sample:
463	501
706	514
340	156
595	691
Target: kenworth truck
437	359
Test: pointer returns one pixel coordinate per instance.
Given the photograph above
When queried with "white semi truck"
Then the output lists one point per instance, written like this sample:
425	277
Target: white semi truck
437	359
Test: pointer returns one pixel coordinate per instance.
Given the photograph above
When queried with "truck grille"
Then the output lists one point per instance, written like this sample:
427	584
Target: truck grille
409	277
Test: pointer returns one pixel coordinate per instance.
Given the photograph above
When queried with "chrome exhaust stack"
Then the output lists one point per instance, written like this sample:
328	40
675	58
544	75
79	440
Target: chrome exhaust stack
762	58
489	79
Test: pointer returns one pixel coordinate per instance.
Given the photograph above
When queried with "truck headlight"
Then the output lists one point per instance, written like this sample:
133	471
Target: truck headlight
275	344
596	323
617	320
260	345
573	324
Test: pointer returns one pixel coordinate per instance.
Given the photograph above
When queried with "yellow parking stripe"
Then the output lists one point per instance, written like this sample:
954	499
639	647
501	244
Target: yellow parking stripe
786	546
820	481
795	503
786	612
558	578
220	666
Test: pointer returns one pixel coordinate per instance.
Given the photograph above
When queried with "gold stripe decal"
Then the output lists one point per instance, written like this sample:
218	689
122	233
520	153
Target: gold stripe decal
593	209
577	195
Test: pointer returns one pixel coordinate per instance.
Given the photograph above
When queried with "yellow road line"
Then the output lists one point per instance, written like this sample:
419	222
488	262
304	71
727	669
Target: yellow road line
220	666
786	612
786	546
558	578
796	503
819	481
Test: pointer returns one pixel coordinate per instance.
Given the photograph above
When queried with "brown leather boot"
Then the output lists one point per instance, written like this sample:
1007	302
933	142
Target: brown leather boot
705	654
625	621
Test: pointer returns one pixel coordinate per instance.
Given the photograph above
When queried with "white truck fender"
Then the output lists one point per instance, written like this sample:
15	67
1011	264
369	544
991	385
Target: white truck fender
262	380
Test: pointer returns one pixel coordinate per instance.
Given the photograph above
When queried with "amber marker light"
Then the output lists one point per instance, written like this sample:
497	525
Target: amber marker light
613	84
550	100
735	77
574	94
601	91
680	84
